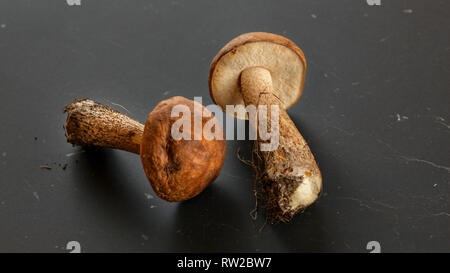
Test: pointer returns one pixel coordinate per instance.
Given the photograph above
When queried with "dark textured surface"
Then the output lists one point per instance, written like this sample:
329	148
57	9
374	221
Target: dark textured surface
375	111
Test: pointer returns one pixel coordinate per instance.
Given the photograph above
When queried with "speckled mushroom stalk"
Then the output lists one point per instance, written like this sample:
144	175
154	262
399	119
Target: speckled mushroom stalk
90	123
266	69
292	177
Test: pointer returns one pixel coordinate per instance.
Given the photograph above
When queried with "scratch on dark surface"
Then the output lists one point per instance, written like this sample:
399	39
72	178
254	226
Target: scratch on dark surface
442	214
116	44
324	117
176	3
343	131
323	133
347	246
230	227
412	159
361	203
335	75
384	39
437	119
387	145
72	154
325	74
397	233
365	204
443	123
438	214
232	176
384	205
36	195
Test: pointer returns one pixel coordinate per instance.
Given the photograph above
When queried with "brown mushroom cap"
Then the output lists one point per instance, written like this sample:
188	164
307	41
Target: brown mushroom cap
285	61
179	169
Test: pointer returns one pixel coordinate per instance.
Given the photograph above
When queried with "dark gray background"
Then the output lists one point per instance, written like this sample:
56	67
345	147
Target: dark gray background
375	110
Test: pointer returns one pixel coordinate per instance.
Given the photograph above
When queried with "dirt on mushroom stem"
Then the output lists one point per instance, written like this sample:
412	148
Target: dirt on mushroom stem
245	72
281	172
274	194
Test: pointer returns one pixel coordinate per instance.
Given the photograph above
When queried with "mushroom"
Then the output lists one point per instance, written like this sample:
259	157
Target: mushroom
266	69
177	169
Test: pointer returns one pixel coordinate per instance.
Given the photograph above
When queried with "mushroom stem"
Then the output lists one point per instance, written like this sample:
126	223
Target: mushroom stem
90	123
256	87
292	177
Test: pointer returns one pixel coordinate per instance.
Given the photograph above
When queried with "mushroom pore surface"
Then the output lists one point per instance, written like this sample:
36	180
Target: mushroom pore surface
279	55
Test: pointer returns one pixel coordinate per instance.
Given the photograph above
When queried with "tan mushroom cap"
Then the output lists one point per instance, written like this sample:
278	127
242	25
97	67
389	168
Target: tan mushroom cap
284	59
